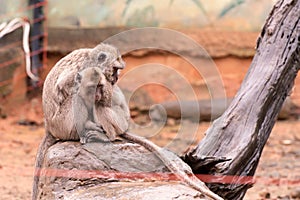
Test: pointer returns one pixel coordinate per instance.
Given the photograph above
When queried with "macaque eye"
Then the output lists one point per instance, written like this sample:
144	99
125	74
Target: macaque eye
78	77
101	57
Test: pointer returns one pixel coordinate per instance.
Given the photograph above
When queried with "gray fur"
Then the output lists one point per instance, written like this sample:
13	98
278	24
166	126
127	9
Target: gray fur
106	115
58	91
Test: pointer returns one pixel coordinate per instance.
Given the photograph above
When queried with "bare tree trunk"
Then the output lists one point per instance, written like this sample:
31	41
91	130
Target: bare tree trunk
242	131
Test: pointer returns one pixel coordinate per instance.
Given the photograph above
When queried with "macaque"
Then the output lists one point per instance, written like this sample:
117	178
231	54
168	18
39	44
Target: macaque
85	104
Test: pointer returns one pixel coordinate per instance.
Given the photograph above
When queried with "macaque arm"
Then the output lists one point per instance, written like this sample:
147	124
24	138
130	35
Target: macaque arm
63	87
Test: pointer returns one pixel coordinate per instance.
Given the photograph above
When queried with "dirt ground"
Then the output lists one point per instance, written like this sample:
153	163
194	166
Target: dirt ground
277	176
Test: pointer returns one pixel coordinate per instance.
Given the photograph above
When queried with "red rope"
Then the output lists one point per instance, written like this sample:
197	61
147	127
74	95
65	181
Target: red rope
11	61
19	43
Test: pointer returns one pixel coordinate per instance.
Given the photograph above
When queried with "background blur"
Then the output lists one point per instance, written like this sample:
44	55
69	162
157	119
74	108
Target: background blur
226	29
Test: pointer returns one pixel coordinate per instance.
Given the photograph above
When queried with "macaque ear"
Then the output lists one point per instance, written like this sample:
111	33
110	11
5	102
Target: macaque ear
78	77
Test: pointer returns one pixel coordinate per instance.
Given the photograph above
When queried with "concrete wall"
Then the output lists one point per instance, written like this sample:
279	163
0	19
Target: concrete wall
241	15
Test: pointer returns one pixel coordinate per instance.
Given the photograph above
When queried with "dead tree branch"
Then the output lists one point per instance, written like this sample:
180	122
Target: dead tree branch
242	131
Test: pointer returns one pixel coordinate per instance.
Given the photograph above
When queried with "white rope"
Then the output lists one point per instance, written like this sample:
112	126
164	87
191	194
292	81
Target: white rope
14	24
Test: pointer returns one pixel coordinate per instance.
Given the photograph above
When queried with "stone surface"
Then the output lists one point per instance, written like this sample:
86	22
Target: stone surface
126	190
107	171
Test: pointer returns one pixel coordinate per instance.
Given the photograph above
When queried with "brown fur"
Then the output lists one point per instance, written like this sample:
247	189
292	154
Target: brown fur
110	113
58	91
109	120
57	100
86	123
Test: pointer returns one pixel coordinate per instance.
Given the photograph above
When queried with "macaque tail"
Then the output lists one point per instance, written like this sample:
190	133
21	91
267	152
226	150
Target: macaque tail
47	141
190	179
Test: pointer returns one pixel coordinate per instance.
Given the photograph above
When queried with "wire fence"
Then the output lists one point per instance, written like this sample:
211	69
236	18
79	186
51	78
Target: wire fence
36	40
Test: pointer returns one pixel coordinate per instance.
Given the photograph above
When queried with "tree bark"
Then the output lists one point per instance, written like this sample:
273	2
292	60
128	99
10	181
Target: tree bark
242	131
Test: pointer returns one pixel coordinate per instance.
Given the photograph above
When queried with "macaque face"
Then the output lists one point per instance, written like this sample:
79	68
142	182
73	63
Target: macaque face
109	60
117	65
103	94
94	86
